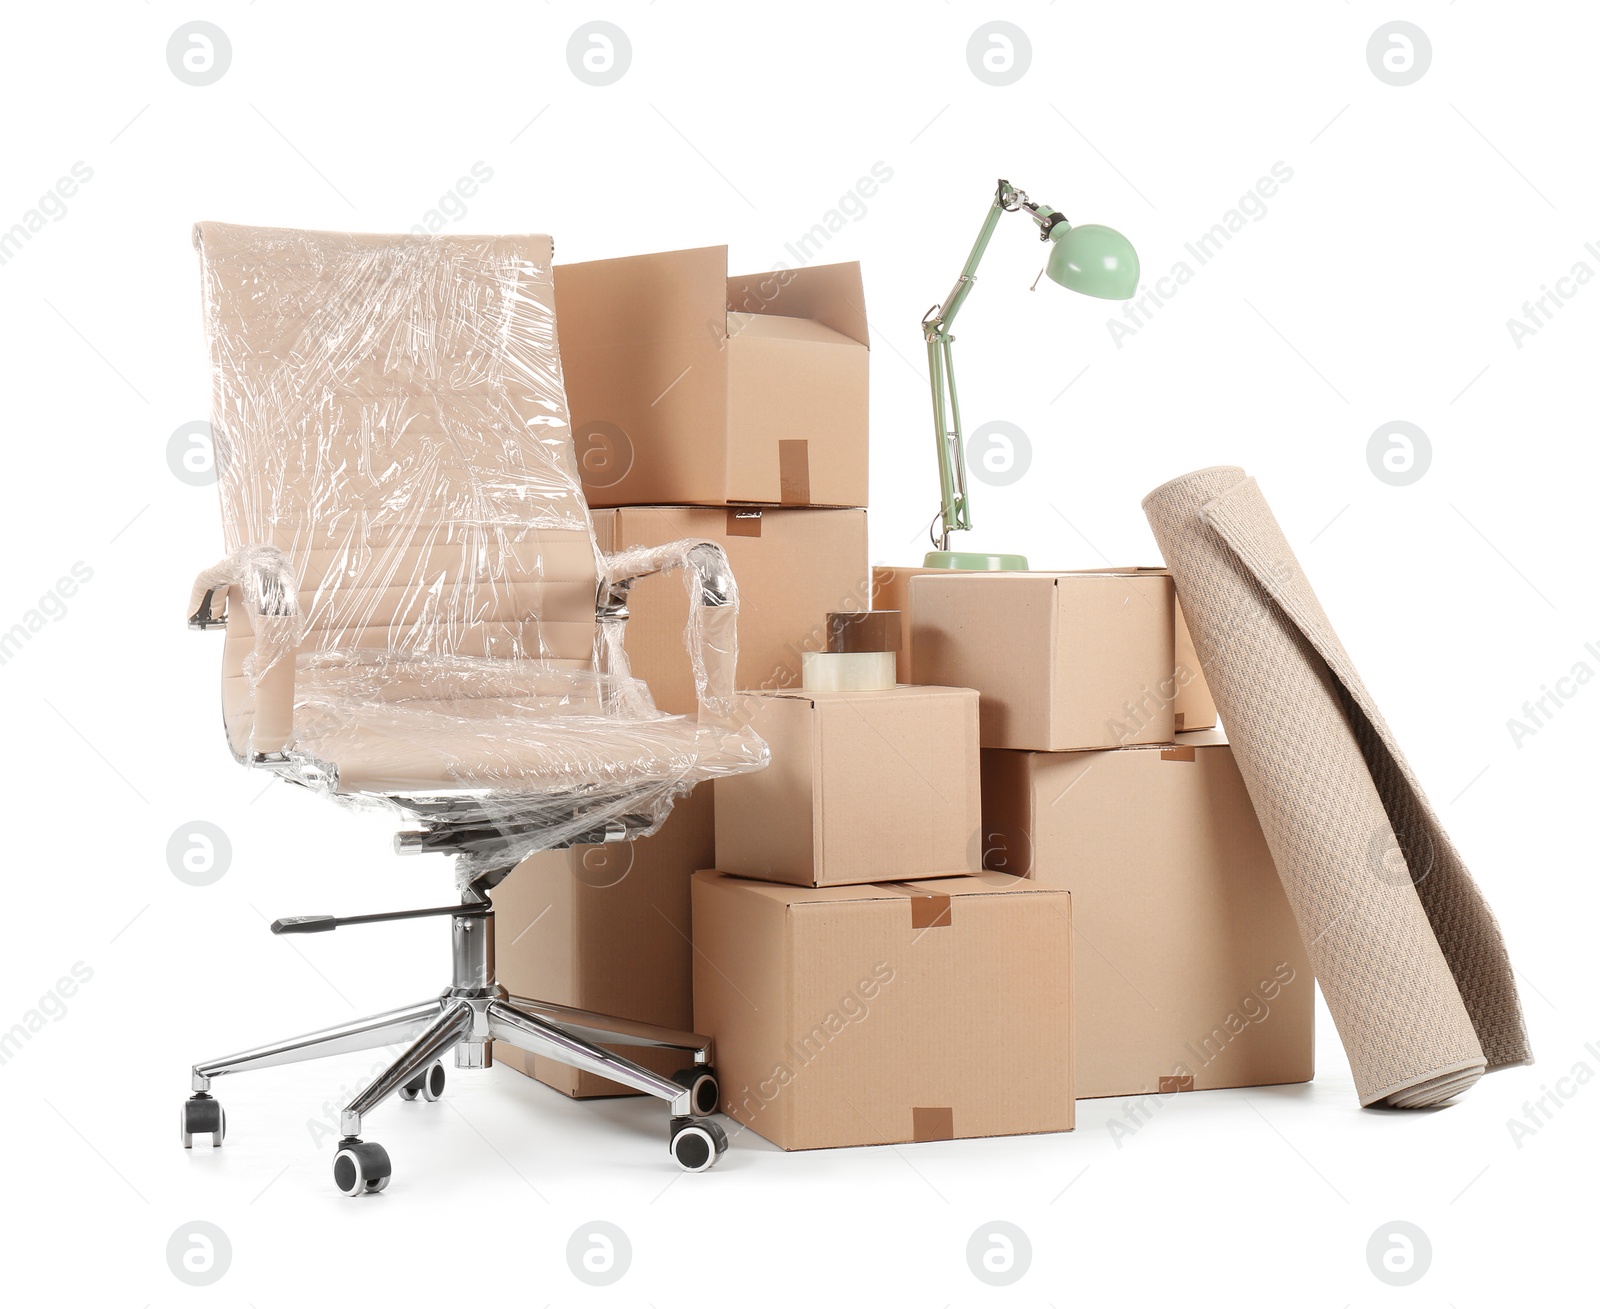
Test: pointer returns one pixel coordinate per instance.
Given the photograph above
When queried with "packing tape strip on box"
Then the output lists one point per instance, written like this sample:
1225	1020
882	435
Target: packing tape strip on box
928	908
794	472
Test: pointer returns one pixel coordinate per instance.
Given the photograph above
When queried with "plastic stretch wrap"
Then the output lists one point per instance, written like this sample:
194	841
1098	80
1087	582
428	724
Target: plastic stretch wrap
412	583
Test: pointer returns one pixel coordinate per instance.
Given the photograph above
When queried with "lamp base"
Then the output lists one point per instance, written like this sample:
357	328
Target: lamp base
974	562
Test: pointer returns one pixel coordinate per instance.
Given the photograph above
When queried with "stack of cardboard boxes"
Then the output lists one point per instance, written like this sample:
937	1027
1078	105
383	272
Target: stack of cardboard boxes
745	426
947	908
864	984
1104	774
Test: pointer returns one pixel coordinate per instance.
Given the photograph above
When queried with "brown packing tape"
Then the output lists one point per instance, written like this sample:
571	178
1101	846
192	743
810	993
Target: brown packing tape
744	522
933	1124
1177	722
1178	754
928	908
1167	1085
794	473
864	631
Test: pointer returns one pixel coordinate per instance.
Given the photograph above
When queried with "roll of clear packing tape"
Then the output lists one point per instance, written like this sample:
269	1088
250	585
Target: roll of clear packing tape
824	670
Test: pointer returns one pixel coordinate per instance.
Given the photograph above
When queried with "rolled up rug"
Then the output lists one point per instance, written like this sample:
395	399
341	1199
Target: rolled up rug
1407	952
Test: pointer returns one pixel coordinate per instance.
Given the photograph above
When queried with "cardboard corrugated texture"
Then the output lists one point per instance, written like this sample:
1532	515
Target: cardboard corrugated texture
1193	709
1192	705
688	386
1189	963
864	786
793	566
1062	661
606	928
887	1013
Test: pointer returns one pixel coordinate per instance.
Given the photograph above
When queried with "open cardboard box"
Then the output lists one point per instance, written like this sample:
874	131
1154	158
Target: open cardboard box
688	386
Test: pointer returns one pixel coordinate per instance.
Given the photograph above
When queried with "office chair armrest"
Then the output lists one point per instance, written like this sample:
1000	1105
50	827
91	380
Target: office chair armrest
253	594
709	563
711	636
260	572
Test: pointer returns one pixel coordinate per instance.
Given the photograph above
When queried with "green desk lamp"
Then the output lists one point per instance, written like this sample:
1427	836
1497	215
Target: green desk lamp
1094	260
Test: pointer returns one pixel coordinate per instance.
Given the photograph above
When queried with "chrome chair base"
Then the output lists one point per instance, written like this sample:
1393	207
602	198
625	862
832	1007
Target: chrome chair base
467	1017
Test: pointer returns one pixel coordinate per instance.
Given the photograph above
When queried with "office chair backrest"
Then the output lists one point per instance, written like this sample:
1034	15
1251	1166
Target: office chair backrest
389	412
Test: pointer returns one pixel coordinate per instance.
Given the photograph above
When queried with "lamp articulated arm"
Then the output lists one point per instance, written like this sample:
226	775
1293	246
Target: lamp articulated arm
954	512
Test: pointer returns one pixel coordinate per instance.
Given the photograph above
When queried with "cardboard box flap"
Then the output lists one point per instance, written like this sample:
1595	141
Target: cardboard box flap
659	297
829	294
641	341
774	327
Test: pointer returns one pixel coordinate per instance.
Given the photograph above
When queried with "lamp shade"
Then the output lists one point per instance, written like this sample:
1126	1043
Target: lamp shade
1094	260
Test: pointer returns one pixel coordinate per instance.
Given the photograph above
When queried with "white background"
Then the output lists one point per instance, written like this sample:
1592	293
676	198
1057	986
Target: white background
1376	287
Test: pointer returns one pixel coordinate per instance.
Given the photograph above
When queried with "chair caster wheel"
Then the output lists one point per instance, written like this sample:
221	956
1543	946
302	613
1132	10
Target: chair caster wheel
201	1114
705	1093
429	1084
361	1167
696	1144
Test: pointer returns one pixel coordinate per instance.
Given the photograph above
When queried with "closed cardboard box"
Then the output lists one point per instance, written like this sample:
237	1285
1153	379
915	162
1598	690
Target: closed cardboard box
1061	661
1190	973
606	928
864	786
688	386
870	1015
793	567
1192	705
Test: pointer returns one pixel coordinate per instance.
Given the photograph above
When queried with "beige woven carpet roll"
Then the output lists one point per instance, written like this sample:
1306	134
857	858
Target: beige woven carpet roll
1408	954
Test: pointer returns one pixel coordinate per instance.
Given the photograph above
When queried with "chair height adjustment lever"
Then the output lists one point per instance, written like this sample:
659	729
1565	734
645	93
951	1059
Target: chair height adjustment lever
308	923
327	922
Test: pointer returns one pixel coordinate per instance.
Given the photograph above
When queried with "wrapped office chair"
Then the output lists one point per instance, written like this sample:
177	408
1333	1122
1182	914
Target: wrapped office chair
418	618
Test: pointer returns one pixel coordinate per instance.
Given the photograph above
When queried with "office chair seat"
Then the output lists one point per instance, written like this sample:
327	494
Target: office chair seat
487	731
